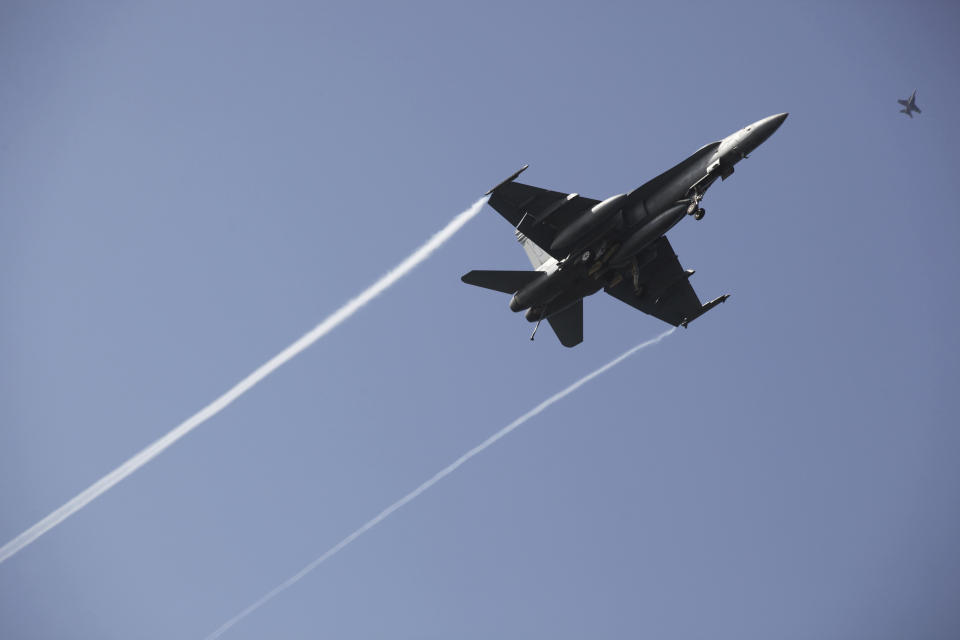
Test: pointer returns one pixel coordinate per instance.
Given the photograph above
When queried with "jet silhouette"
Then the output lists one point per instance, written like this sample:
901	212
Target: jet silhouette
910	105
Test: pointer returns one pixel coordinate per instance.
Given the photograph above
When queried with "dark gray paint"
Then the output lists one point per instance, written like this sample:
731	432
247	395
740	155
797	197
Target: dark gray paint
909	105
618	245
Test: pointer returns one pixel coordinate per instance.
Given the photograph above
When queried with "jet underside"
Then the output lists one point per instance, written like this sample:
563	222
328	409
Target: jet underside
579	246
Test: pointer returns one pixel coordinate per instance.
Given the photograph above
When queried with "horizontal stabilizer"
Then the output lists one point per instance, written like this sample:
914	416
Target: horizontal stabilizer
505	281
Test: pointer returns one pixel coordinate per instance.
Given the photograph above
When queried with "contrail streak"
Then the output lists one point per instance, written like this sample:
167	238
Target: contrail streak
106	482
440	475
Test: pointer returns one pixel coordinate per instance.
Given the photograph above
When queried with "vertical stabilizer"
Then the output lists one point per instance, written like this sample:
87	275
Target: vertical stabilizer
568	324
538	257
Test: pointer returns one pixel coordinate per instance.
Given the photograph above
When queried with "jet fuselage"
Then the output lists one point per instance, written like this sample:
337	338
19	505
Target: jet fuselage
617	232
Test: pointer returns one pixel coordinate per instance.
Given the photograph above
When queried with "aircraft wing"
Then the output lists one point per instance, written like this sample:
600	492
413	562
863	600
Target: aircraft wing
666	292
904	102
546	212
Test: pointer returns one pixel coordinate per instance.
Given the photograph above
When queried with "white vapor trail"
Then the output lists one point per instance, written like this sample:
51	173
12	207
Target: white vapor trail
440	475
159	446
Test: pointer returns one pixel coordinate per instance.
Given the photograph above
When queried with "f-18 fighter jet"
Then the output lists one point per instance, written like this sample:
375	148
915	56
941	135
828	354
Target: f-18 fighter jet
910	104
579	245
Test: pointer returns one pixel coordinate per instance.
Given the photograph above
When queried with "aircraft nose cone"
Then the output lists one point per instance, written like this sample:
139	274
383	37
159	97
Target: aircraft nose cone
736	146
777	120
771	123
764	129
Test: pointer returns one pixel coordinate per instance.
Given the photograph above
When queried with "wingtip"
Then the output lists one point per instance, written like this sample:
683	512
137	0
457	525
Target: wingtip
510	179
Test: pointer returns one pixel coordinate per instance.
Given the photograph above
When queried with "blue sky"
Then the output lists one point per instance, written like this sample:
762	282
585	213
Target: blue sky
185	189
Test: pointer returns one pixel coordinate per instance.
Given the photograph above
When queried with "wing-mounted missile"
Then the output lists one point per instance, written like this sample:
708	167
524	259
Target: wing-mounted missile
704	309
510	179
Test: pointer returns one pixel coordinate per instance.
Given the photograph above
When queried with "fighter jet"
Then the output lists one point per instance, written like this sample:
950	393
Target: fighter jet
579	245
910	105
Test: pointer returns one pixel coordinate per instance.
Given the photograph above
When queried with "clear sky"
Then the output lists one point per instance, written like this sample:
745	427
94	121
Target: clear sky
186	188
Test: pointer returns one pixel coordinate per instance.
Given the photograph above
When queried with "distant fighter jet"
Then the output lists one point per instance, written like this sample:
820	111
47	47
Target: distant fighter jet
579	245
910	105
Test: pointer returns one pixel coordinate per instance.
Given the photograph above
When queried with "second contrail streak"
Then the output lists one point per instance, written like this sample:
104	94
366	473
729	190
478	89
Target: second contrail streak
156	448
440	475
